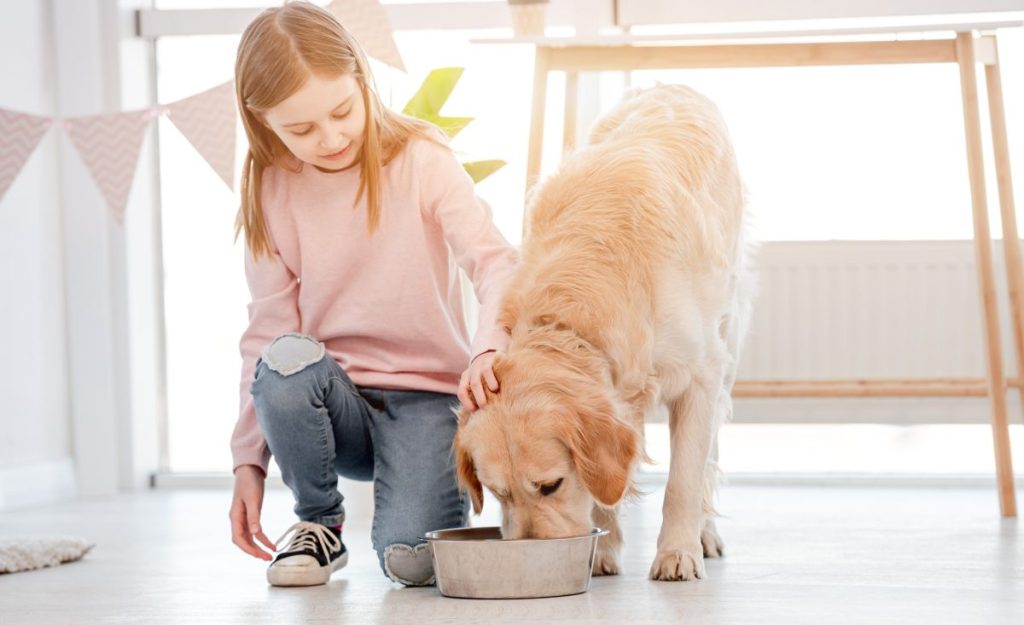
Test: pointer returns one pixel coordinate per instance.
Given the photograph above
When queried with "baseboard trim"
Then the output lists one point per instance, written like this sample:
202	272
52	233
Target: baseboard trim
657	479
199	480
855	480
37	484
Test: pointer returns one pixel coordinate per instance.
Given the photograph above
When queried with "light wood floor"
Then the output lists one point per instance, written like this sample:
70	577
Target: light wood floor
794	555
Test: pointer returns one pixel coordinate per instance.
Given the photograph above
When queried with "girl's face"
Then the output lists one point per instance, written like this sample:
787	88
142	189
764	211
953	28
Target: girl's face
323	122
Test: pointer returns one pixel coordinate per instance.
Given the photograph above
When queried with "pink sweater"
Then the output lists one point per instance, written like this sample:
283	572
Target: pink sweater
388	307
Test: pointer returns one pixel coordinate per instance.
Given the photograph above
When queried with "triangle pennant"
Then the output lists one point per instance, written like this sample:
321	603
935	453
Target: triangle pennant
21	134
208	121
368	21
109	146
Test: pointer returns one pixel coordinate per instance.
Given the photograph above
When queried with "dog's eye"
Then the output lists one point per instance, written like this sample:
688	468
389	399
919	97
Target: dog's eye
547	489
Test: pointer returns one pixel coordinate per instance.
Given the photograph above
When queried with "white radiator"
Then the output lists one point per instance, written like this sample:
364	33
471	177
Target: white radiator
870	309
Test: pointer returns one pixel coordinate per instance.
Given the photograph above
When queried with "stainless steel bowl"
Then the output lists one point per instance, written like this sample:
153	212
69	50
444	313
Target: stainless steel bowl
475	563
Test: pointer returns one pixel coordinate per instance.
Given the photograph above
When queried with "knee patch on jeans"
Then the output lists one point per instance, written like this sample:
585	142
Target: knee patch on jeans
292	352
407	565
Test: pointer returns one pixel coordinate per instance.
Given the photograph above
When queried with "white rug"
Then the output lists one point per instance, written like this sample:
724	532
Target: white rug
25	554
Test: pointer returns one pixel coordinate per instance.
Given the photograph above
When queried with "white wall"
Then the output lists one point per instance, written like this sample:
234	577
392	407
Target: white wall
68	424
35	445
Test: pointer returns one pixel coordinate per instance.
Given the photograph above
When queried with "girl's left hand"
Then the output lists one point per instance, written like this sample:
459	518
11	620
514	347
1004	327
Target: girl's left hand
480	371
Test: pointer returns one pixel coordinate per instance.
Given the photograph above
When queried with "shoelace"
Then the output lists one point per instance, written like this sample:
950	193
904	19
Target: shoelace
308	535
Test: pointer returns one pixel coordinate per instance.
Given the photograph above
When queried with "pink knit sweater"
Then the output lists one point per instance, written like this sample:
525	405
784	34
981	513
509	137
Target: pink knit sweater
388	307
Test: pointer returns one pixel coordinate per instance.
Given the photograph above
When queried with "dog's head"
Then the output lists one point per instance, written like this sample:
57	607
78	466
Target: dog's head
550	443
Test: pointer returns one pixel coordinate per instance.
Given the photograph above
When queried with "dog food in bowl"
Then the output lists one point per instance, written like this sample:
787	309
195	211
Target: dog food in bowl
475	563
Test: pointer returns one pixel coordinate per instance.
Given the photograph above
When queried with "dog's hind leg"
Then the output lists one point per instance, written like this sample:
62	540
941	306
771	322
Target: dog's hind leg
709	537
732	329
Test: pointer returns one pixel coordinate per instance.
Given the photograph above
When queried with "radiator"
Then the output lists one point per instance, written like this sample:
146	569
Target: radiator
870	309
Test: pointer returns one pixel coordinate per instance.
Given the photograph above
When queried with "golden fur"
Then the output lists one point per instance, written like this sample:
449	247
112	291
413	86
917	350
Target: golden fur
633	293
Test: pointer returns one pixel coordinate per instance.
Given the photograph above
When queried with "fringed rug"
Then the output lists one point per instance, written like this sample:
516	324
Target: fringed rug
25	554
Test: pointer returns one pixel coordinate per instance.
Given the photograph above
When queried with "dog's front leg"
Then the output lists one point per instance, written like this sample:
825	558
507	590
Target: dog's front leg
691	418
609	547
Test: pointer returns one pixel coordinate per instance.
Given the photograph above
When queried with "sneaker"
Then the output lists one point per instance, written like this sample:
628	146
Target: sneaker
315	551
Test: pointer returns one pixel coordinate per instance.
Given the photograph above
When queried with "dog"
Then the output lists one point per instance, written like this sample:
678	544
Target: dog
633	294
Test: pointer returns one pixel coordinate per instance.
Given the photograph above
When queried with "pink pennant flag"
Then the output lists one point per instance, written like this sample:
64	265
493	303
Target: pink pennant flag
208	121
109	146
369	22
20	133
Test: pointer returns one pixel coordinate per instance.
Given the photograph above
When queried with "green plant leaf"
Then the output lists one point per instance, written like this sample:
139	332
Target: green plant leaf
428	101
478	170
450	125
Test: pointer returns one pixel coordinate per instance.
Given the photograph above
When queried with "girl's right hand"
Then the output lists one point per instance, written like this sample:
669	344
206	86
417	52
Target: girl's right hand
245	512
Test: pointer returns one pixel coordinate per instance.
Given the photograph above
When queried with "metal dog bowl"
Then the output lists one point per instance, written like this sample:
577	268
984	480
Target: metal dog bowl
475	563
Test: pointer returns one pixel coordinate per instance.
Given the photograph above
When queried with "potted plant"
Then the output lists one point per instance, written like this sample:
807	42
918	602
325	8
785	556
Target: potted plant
528	17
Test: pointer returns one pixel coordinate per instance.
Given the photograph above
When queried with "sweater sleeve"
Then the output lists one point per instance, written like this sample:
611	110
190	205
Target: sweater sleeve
273	311
479	248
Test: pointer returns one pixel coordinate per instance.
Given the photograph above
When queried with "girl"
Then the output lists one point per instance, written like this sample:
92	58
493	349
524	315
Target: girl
356	220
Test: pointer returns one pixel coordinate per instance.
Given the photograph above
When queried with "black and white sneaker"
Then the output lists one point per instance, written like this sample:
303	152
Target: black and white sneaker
315	551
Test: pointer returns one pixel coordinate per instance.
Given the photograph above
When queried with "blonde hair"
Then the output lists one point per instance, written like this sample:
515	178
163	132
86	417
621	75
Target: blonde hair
280	49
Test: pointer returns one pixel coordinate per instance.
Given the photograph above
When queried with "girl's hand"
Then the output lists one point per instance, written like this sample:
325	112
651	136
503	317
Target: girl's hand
245	512
480	371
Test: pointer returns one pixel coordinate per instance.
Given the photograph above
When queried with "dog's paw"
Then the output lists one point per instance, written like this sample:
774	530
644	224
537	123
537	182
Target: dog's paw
678	565
606	562
712	542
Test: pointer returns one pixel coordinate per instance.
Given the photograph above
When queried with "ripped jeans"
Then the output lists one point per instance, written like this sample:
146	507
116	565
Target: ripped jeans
319	425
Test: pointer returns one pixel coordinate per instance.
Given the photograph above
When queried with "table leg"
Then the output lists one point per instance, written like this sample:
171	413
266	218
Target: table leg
572	82
986	280
540	91
1007	211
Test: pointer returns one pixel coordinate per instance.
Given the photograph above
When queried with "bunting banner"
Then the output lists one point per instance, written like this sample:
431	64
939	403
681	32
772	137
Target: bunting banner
368	21
109	146
20	133
208	121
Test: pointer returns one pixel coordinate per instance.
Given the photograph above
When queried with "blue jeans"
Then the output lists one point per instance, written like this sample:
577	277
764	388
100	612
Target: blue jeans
319	425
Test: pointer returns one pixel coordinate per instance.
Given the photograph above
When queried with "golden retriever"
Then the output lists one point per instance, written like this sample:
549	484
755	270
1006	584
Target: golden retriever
632	293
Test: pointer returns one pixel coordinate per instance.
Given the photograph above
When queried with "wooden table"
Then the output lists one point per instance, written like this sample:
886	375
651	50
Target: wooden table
965	44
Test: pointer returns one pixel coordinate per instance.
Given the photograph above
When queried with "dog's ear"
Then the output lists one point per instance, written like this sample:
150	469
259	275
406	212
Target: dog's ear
465	470
464	414
500	366
604	449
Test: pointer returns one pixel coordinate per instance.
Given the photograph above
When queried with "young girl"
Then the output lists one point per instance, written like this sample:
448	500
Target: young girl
356	220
